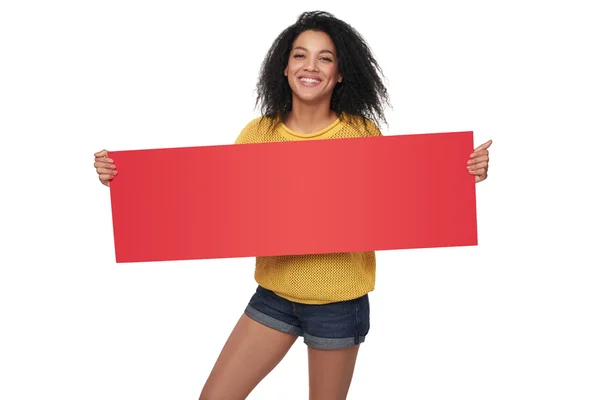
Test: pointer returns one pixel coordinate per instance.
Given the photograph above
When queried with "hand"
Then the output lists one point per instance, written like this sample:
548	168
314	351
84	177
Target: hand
478	163
105	167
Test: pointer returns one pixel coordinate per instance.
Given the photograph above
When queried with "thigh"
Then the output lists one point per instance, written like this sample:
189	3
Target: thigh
330	372
333	333
250	353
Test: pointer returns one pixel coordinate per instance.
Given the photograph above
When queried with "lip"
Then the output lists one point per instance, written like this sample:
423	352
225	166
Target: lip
309	84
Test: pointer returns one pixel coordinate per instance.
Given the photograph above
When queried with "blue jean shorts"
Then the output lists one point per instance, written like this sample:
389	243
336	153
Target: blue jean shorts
323	326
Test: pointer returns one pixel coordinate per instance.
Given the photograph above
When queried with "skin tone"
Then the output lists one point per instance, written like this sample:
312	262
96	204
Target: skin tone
253	350
312	73
478	162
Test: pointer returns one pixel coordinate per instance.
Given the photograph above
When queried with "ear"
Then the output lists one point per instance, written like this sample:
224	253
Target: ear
339	78
285	71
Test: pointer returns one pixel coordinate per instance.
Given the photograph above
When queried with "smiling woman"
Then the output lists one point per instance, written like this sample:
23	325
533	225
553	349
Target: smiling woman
312	70
319	80
342	77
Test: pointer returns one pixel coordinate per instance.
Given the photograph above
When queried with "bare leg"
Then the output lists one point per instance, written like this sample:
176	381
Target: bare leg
330	372
250	353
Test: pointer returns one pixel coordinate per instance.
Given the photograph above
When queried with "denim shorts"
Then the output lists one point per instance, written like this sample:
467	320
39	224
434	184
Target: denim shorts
323	326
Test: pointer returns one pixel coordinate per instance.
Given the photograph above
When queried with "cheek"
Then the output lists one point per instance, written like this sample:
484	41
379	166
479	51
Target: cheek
332	72
292	67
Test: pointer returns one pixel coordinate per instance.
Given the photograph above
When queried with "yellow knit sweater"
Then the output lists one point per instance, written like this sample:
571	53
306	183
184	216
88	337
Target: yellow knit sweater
314	278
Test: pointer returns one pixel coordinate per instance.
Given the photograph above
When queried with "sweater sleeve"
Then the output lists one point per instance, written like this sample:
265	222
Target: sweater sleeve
372	129
249	133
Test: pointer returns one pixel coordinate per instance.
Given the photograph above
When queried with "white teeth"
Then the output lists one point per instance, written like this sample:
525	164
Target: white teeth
309	80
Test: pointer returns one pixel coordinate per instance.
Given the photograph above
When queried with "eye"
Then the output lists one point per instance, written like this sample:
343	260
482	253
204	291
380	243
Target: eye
327	59
298	55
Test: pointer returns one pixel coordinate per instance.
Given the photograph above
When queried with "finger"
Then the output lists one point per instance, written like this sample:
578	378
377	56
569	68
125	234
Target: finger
105	178
479	153
480	165
484	146
480	171
101	164
106	171
479	159
101	153
104	159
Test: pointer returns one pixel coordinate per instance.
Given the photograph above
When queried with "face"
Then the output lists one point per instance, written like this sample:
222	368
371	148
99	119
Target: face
312	69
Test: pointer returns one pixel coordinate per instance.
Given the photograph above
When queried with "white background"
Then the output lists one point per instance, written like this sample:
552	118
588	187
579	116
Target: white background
516	317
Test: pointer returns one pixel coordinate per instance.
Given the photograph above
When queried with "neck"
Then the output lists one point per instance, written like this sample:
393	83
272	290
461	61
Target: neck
308	118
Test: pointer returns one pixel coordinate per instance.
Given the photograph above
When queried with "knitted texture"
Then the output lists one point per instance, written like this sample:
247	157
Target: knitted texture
314	278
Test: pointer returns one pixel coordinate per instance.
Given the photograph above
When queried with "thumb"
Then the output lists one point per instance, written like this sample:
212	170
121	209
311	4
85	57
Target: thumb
484	146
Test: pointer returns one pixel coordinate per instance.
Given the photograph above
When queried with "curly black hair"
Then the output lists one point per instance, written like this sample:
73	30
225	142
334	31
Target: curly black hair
362	91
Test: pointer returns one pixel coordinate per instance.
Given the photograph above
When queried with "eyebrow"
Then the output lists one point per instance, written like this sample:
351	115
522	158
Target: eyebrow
305	49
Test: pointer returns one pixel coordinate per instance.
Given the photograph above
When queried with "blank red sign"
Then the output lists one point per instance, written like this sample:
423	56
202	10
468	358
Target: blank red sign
319	196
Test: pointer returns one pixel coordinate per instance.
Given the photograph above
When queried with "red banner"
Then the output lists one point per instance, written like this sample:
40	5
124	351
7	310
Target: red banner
317	196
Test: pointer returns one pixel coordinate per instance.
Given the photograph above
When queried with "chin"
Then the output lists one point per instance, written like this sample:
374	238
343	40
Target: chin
310	98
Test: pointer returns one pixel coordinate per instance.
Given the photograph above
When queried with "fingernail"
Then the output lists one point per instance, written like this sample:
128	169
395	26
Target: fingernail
114	172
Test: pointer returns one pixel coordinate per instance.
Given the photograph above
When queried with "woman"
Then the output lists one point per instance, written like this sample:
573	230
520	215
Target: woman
319	80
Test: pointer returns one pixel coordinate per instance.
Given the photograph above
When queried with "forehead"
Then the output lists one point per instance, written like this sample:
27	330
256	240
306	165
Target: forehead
314	40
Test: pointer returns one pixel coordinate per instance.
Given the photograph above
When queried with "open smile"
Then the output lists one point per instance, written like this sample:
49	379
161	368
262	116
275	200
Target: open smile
305	81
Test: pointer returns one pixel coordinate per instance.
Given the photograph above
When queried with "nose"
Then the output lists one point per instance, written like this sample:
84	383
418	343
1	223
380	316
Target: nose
311	64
